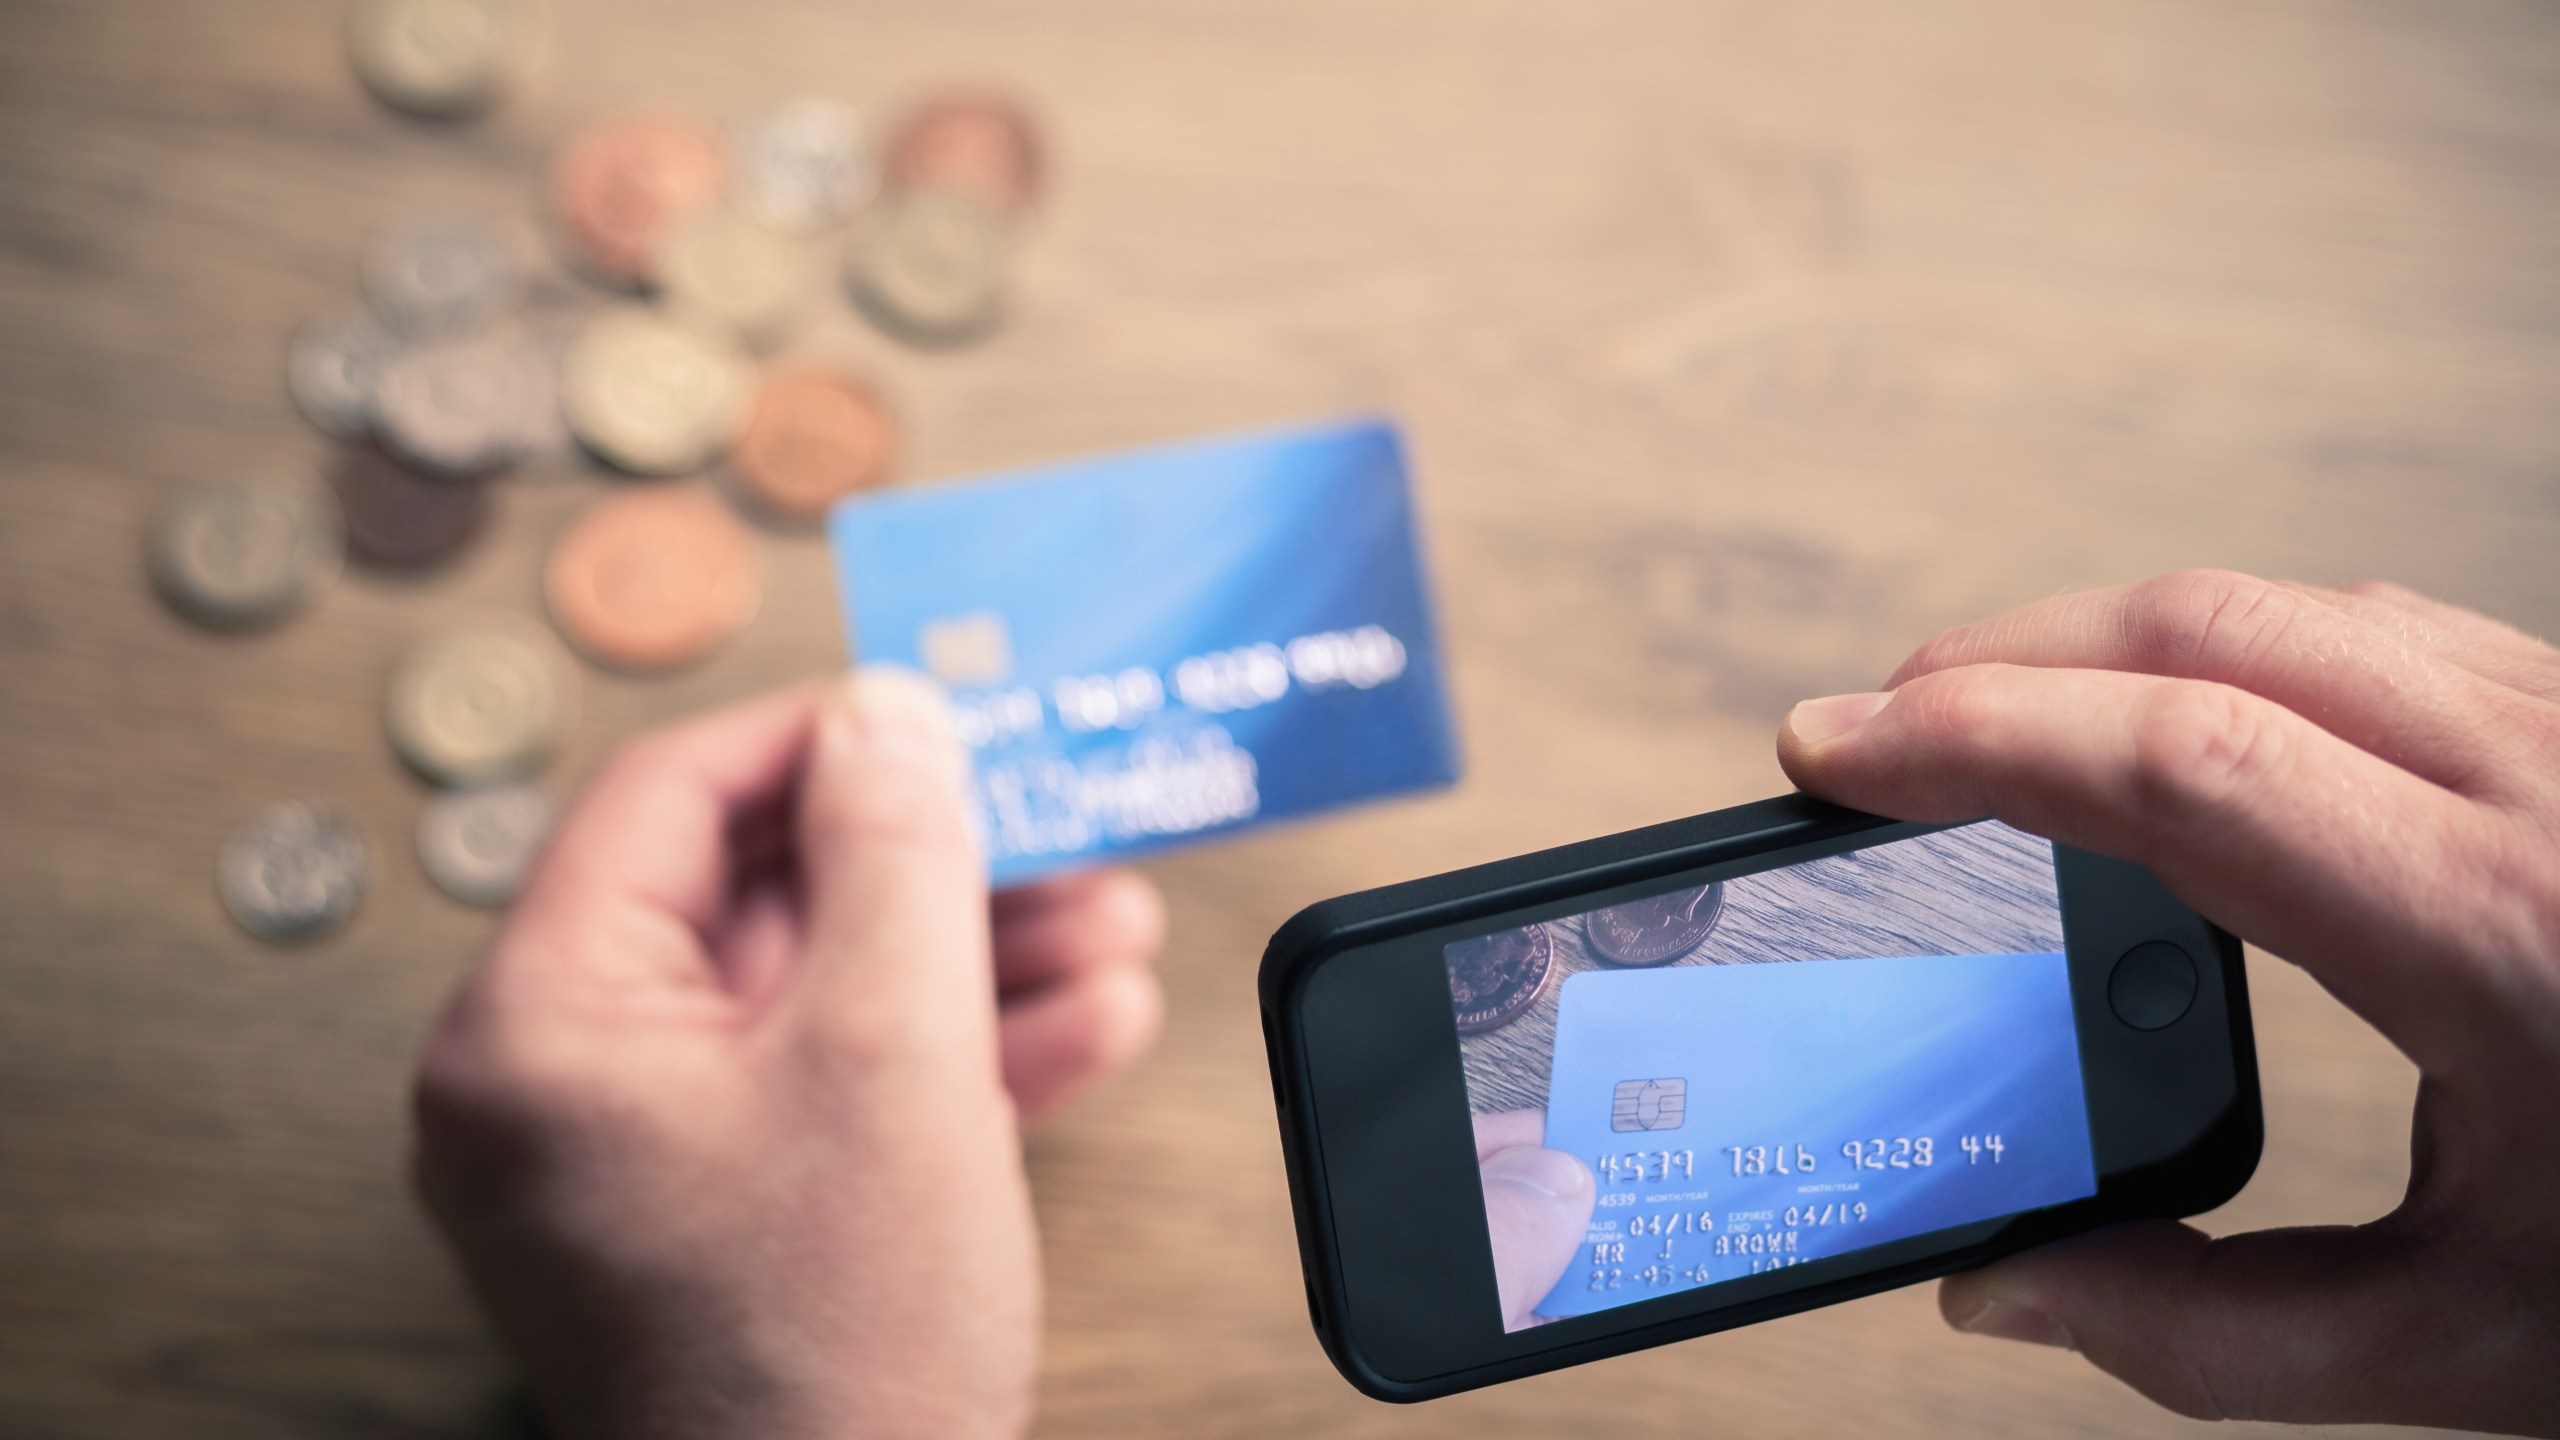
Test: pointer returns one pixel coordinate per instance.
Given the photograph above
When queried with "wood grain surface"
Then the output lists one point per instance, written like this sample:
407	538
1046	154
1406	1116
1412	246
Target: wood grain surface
1740	345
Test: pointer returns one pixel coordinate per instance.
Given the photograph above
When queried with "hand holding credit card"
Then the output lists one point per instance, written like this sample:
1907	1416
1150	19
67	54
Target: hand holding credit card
1740	1118
1155	647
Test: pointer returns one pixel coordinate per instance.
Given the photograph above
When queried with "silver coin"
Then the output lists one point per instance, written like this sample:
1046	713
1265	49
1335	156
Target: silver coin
331	370
476	707
439	273
239	555
296	871
476	845
733	272
931	267
803	164
467	405
441	58
654	395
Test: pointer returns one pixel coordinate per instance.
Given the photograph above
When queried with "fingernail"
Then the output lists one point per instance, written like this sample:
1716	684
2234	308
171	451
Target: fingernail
2004	1321
901	716
1551	1173
1814	721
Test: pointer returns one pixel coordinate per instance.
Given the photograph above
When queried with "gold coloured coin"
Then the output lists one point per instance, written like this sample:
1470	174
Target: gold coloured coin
736	274
469	708
441	58
654	396
236	556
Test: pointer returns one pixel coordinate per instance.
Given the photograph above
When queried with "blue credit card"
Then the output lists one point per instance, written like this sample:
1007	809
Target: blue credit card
1741	1118
1150	648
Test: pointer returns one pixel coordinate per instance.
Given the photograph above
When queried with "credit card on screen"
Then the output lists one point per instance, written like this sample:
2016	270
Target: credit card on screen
1156	647
1744	1117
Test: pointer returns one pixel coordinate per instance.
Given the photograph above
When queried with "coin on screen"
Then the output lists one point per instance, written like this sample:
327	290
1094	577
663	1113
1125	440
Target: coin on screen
618	185
476	706
1657	928
654	395
931	267
979	145
653	578
441	272
331	369
476	845
816	436
736	274
239	555
295	871
441	58
466	404
1494	979
802	164
399	517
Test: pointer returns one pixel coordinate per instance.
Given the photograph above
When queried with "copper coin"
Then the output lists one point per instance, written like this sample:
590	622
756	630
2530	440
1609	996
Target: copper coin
1494	978
981	146
617	187
1656	928
652	579
816	437
400	517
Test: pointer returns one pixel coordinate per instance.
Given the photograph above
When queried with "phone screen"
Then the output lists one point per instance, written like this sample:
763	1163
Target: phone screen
1780	1067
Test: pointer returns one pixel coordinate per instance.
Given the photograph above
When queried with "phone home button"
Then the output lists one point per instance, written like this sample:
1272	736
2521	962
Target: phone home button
2152	985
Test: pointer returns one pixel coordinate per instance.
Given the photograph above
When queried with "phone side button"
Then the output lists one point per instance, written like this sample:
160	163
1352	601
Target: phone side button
2153	984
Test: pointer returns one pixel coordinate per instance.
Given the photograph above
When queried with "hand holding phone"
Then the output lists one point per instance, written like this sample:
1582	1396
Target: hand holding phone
2366	783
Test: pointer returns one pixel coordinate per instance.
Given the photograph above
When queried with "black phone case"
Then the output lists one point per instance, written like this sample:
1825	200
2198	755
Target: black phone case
1548	876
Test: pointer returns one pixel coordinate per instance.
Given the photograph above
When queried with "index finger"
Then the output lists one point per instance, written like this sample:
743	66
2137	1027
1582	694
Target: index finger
2369	877
653	826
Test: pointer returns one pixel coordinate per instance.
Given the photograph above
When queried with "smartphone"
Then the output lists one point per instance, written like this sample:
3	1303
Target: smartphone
1711	1072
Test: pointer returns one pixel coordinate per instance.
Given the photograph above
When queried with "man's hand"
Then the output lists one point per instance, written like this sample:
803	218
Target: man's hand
724	1124
2366	783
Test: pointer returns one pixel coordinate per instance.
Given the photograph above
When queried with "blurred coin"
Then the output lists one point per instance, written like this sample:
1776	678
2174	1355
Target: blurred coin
478	706
652	578
240	555
441	58
931	267
617	187
477	844
297	870
803	164
332	369
1656	928
466	404
441	272
653	395
1494	979
816	436
399	517
737	274
979	145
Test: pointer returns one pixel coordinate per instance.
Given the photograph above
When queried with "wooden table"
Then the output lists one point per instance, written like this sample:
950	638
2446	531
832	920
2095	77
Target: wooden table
1740	346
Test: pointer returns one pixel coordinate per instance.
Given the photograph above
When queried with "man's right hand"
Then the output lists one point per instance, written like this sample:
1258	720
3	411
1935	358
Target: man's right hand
2366	783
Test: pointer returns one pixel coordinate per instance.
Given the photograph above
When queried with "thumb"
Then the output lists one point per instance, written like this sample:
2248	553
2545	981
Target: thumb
1537	1203
2305	1325
896	890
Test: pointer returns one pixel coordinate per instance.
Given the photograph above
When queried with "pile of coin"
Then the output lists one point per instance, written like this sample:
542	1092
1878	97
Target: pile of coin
706	255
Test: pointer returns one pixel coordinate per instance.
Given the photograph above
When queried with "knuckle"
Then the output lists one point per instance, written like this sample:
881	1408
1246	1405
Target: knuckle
1939	653
1963	704
2206	622
485	1074
2201	747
